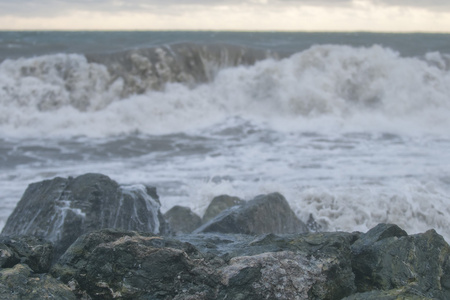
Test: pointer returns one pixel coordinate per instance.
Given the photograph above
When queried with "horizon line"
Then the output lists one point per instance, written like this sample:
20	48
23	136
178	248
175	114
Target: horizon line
226	30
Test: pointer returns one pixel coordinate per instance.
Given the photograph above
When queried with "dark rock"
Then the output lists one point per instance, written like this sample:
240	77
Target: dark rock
37	253
310	266
128	265
20	283
111	264
395	294
264	214
386	258
219	204
61	209
182	220
312	225
8	257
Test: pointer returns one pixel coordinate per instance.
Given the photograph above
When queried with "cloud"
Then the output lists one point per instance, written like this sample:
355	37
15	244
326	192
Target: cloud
430	4
58	8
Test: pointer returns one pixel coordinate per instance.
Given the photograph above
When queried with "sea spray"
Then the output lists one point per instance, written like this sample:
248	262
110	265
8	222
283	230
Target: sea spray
353	134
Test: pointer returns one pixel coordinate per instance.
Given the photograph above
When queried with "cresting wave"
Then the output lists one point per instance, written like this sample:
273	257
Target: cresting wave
186	86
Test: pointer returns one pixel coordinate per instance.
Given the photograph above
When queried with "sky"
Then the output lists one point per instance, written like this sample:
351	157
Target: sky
247	15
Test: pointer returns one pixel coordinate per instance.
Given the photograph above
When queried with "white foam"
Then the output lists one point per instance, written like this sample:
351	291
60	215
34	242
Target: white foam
325	87
312	127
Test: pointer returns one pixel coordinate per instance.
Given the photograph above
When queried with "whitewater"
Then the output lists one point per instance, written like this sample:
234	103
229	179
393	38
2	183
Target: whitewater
353	129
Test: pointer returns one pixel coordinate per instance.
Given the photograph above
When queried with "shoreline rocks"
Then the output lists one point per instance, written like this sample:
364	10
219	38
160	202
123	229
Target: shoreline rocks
263	214
112	242
384	263
62	209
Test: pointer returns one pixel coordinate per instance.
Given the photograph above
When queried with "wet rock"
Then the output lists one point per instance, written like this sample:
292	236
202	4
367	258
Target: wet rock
37	253
111	264
219	204
395	294
8	257
62	209
182	220
264	214
19	282
386	258
311	266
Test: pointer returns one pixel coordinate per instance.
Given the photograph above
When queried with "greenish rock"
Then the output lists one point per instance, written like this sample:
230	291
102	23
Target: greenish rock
264	214
182	220
306	266
62	209
36	252
396	294
386	258
8	257
20	283
110	264
219	204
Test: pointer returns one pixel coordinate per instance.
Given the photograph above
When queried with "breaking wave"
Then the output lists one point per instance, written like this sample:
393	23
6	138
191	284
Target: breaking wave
188	86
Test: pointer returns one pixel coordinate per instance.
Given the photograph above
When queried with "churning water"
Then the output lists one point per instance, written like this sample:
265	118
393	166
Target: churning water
351	128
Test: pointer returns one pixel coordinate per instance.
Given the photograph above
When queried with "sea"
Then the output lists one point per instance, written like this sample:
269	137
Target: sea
352	128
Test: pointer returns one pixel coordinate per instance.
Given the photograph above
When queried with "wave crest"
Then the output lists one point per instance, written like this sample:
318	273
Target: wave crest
164	90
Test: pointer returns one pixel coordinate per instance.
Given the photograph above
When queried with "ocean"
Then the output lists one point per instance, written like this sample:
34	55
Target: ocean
352	128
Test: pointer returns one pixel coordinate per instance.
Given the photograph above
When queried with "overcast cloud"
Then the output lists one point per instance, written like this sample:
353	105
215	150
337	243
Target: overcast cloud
322	15
53	7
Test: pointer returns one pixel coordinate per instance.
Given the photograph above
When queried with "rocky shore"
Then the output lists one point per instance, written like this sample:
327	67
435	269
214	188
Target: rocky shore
90	238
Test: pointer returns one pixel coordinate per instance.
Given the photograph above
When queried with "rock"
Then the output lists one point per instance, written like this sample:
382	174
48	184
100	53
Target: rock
35	252
311	266
111	264
395	294
219	204
62	209
20	283
264	214
182	220
8	257
386	258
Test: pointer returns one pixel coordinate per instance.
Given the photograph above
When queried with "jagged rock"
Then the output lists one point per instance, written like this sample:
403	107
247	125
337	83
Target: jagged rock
62	209
182	220
108	263
264	214
37	253
395	294
310	266
20	283
8	257
386	258
219	204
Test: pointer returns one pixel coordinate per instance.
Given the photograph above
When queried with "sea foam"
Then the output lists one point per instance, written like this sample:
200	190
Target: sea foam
325	86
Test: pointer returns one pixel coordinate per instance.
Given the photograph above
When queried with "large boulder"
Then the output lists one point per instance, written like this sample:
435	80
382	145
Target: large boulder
20	283
219	204
182	220
62	209
386	258
264	214
111	264
307	266
37	253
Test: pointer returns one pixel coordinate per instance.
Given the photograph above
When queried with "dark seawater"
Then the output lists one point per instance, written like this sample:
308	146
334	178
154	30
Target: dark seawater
351	127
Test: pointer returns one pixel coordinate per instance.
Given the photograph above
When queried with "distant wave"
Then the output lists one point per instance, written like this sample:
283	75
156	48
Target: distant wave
169	89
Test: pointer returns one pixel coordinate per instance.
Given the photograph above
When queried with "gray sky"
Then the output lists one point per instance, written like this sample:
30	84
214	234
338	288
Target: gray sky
312	15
